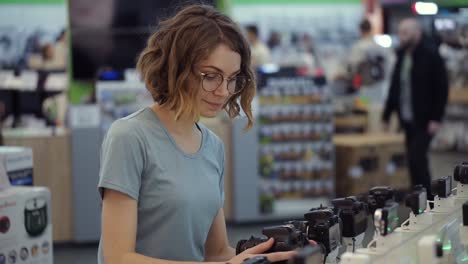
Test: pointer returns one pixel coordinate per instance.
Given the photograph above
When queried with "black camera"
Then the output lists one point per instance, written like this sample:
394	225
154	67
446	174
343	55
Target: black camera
442	187
287	237
324	227
417	200
386	218
353	214
308	255
257	260
460	174
378	196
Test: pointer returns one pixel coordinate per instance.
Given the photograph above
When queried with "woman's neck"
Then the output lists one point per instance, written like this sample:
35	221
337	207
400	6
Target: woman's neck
167	117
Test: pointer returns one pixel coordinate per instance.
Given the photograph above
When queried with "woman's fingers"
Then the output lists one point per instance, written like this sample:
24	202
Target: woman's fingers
260	248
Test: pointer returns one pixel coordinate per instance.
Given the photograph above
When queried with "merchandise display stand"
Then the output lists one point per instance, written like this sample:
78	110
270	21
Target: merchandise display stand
284	166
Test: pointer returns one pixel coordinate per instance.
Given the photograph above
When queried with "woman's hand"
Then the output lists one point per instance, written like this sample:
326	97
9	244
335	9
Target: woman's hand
261	248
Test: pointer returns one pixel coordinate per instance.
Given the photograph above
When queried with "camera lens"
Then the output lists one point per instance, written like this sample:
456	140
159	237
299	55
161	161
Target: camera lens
460	173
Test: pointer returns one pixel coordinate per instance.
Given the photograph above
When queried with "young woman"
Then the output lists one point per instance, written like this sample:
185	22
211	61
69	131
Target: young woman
161	176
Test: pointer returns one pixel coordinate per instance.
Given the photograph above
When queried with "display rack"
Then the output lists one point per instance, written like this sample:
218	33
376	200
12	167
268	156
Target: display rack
295	141
284	165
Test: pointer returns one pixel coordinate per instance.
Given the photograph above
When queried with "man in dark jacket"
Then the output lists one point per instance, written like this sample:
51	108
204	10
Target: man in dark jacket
418	93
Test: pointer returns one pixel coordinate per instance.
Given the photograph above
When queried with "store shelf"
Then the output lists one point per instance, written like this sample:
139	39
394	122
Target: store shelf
459	96
354	121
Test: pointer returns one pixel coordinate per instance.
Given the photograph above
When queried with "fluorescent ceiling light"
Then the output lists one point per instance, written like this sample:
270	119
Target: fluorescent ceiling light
425	8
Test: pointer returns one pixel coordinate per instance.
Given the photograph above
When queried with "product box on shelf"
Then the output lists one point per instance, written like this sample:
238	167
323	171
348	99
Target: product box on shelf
25	226
295	135
18	162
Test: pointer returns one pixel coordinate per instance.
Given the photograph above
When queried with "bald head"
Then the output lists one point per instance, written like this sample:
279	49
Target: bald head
409	32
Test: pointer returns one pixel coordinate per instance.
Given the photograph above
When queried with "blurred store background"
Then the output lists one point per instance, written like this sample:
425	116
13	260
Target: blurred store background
67	71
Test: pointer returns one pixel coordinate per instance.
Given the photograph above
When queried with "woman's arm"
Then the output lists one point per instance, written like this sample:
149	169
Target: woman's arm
217	245
119	222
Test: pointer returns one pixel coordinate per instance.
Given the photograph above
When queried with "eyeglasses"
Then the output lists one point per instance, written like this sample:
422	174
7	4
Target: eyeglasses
213	80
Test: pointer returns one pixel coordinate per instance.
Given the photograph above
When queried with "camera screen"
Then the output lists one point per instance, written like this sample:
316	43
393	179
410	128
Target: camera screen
390	214
422	199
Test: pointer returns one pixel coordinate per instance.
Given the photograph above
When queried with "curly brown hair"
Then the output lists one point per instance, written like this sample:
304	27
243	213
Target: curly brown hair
174	51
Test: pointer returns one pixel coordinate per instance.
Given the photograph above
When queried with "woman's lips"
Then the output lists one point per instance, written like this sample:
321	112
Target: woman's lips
214	105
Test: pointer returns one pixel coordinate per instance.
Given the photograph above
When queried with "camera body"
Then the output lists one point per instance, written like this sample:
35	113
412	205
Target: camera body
442	187
378	197
324	227
386	218
287	237
257	260
460	173
417	200
353	215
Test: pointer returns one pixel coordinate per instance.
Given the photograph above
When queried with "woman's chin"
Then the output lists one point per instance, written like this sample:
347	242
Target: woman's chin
209	114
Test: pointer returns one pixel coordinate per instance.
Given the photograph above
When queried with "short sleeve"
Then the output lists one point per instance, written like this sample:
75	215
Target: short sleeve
122	160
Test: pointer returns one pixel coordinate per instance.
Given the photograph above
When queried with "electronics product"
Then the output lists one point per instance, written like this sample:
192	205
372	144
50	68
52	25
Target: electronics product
25	228
18	164
460	173
308	255
378	196
287	237
353	215
417	200
257	260
442	187
35	216
324	227
386	218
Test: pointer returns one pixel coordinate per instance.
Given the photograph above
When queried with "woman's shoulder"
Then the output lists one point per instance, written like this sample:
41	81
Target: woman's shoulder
133	124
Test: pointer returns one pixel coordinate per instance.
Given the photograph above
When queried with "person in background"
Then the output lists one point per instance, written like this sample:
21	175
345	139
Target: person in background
260	52
418	93
366	62
162	172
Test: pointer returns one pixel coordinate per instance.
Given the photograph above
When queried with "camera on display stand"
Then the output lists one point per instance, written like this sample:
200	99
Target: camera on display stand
460	174
442	190
385	221
287	237
418	217
353	215
324	227
378	198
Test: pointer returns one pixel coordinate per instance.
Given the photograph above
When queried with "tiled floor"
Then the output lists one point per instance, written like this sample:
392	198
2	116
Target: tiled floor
441	165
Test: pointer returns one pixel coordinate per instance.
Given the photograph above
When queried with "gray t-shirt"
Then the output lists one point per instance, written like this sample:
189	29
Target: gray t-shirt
178	194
